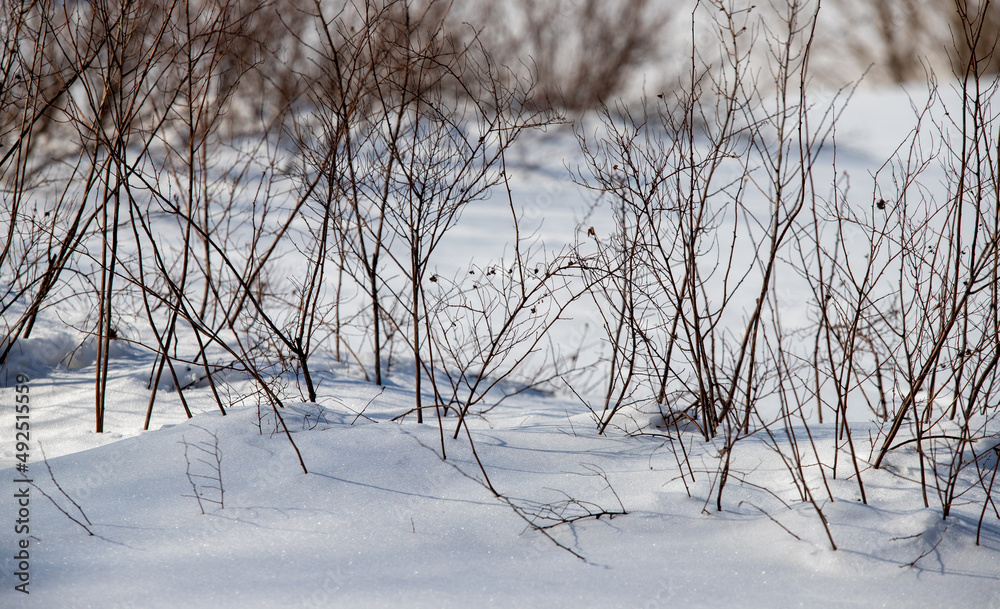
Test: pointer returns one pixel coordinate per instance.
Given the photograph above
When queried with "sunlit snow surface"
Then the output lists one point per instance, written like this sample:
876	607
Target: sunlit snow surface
382	521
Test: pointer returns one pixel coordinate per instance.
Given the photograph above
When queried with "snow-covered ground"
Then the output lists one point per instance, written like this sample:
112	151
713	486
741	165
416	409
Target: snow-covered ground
381	520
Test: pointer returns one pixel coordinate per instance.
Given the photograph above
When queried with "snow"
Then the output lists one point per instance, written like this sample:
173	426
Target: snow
381	520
